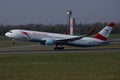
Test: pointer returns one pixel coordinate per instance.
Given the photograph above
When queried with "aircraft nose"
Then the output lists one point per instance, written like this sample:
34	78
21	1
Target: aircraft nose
7	34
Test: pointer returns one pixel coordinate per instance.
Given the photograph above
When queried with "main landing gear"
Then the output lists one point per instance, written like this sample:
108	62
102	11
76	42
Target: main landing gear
59	48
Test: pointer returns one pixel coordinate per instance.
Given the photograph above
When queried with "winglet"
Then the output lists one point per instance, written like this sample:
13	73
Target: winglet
111	24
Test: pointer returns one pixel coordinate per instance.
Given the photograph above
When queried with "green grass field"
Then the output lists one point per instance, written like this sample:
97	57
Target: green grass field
60	66
115	36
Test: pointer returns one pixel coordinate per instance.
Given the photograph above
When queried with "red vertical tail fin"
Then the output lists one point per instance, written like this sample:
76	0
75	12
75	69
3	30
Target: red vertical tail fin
105	32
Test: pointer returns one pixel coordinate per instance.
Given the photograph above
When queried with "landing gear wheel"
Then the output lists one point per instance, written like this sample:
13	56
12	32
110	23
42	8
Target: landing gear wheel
59	48
55	48
13	42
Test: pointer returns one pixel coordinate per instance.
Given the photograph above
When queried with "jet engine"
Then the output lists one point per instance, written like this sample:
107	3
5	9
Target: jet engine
49	42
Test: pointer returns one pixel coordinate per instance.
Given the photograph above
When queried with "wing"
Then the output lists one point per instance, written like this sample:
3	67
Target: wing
76	38
71	39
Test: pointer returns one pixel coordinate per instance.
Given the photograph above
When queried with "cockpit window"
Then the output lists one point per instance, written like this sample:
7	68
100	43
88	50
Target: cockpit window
10	31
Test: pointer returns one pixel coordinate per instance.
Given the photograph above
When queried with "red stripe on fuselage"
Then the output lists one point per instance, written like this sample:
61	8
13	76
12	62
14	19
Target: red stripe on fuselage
98	36
25	33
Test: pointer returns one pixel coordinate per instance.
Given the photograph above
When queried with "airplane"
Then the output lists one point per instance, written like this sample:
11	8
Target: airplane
45	38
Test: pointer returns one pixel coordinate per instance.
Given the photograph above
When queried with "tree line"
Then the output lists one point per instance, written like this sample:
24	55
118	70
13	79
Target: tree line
60	28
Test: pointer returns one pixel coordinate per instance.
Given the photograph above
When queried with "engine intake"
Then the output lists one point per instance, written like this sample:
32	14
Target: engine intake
49	42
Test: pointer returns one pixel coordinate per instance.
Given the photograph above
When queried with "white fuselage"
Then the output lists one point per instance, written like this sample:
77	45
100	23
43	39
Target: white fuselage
35	36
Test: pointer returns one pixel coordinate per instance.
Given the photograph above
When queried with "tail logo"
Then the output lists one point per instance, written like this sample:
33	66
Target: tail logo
106	31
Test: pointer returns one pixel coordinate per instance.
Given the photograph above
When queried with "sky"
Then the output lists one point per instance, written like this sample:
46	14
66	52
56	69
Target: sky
54	11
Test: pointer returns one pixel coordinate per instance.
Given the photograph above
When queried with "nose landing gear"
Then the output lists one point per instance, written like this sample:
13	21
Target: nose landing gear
13	42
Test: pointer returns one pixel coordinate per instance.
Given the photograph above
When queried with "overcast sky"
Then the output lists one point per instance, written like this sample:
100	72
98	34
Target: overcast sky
54	11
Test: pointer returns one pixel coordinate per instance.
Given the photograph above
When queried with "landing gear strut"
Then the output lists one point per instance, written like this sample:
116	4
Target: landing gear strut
58	48
13	42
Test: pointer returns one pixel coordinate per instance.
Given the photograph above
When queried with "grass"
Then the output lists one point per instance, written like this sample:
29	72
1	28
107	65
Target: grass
59	66
63	66
115	36
8	43
2	38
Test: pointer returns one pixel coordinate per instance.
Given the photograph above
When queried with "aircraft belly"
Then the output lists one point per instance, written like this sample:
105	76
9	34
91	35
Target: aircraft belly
82	43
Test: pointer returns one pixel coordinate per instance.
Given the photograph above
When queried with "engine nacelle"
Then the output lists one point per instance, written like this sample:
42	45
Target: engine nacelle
49	42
